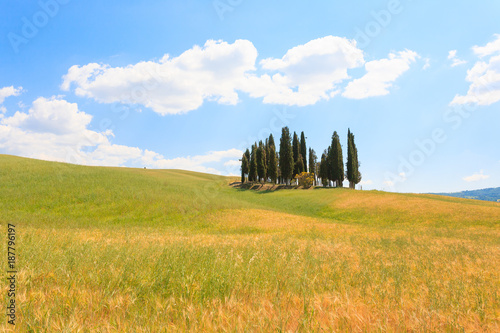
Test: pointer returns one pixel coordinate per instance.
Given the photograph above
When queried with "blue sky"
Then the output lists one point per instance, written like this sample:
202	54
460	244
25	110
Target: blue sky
189	84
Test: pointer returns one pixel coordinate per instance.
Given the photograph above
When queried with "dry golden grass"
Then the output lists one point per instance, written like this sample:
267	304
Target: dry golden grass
114	250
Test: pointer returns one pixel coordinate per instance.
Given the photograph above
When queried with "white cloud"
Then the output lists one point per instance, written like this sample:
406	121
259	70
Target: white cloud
476	177
389	183
452	55
489	49
427	64
380	75
232	163
219	71
172	85
9	91
56	130
366	182
306	73
484	77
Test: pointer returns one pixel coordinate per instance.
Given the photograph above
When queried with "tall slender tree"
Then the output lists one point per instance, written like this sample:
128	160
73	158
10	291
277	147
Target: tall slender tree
244	167
247	154
271	141
300	165
313	159
296	152
252	176
261	162
352	173
272	171
323	169
286	155
336	160
303	149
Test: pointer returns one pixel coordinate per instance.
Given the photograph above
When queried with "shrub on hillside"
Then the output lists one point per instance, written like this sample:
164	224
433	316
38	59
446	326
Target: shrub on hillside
305	179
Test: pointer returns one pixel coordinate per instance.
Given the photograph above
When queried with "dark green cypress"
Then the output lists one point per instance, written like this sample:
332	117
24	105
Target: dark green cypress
247	154
323	169
261	162
313	159
252	176
286	155
272	171
244	167
353	174
296	152
300	165
303	150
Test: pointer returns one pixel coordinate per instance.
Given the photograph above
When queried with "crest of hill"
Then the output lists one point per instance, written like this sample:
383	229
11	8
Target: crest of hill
61	194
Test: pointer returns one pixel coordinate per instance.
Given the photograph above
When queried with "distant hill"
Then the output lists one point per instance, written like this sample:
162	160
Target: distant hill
487	194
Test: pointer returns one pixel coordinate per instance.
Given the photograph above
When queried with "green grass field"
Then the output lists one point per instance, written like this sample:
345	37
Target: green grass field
134	250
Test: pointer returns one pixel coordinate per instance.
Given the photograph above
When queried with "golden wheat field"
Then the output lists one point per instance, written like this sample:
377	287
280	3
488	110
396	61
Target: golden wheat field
133	250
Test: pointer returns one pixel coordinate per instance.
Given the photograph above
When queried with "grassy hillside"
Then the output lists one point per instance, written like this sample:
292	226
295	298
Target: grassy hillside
116	249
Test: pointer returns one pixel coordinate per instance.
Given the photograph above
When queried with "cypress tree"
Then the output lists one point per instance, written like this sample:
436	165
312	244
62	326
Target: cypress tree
244	167
296	152
300	165
337	160
323	169
329	163
261	162
303	150
252	176
286	155
272	172
352	165
247	153
271	141
312	163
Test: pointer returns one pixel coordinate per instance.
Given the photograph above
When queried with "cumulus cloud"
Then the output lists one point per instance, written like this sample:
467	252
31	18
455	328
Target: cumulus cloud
476	177
489	49
484	76
219	71
306	73
54	129
9	91
171	85
380	75
455	61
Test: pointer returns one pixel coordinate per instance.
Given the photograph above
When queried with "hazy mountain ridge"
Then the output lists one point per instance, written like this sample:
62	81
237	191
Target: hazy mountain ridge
487	194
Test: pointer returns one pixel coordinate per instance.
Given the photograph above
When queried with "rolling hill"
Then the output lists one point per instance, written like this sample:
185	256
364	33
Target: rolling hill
121	249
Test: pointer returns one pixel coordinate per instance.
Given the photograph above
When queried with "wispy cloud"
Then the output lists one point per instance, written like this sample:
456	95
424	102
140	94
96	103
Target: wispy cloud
476	177
452	55
380	75
484	76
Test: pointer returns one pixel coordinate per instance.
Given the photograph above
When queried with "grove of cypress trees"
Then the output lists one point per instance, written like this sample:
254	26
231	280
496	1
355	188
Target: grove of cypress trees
303	150
286	155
